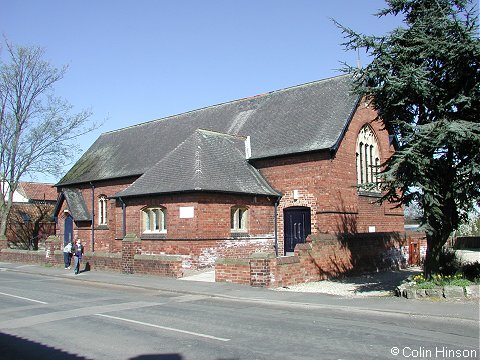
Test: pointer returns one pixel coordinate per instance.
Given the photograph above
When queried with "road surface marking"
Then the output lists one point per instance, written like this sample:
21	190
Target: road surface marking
69	314
24	266
23	298
188	298
165	328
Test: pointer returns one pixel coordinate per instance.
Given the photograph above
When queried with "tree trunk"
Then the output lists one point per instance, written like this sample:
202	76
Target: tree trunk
442	219
35	234
3	222
5	211
435	244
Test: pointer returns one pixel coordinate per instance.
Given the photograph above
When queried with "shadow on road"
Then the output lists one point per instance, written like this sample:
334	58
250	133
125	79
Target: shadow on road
18	348
158	357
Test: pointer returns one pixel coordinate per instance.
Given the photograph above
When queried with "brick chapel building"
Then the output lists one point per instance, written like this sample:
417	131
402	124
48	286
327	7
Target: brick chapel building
252	175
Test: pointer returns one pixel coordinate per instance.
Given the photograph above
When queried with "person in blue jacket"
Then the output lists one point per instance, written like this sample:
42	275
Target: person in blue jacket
78	253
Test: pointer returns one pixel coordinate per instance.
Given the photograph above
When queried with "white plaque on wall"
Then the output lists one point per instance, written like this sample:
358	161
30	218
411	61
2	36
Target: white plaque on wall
186	212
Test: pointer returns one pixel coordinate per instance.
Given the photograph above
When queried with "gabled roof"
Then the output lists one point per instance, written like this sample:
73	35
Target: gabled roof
206	161
75	203
299	119
37	191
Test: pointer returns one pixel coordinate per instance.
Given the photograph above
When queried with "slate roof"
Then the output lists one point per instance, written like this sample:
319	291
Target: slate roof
206	161
76	204
298	119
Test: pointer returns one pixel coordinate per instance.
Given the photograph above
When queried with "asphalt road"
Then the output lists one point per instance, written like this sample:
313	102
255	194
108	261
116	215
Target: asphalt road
48	317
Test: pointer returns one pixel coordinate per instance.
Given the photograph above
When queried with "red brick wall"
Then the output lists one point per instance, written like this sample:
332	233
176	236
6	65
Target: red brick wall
200	240
233	270
200	253
24	256
103	261
129	261
323	256
328	185
211	214
205	237
104	235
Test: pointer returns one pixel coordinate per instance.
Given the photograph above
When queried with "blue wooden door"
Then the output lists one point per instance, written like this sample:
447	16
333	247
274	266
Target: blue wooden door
68	230
297	226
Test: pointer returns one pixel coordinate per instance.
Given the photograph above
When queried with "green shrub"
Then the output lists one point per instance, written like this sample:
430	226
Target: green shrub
449	264
460	282
440	280
472	272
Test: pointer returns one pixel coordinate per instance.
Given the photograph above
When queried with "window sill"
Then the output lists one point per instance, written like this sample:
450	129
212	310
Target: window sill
239	233
153	236
102	227
370	194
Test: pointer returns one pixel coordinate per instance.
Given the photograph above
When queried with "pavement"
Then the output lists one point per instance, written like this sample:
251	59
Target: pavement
451	310
201	275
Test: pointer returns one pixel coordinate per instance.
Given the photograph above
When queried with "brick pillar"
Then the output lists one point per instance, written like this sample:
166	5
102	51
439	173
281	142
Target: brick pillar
51	244
261	266
130	246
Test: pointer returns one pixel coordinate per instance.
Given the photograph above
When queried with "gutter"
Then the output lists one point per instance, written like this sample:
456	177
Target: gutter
275	224
333	149
93	216
124	217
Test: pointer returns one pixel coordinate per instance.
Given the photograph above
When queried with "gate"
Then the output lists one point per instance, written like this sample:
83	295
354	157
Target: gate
414	251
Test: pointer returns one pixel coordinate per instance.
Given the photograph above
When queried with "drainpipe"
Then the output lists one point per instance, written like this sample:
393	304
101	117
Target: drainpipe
275	225
93	216
124	217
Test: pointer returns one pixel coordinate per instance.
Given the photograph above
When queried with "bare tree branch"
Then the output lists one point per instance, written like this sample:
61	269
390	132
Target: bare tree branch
37	129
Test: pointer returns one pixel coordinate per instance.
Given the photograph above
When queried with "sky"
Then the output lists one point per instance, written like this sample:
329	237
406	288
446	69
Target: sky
132	61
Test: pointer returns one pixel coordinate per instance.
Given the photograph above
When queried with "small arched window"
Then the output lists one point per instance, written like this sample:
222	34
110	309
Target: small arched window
238	218
367	159
102	210
154	220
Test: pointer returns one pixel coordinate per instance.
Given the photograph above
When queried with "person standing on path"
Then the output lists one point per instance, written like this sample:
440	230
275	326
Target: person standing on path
78	252
67	255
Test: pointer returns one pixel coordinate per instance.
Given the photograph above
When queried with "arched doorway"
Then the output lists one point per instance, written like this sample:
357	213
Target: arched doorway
297	226
68	230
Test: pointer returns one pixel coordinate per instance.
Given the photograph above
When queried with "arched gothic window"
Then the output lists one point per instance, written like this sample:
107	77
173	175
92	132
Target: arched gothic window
154	220
102	210
367	159
238	219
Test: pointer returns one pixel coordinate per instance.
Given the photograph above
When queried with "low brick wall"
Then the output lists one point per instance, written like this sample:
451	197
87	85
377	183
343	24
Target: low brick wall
203	253
322	257
24	256
261	268
43	256
233	270
356	253
128	261
295	270
103	261
166	265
